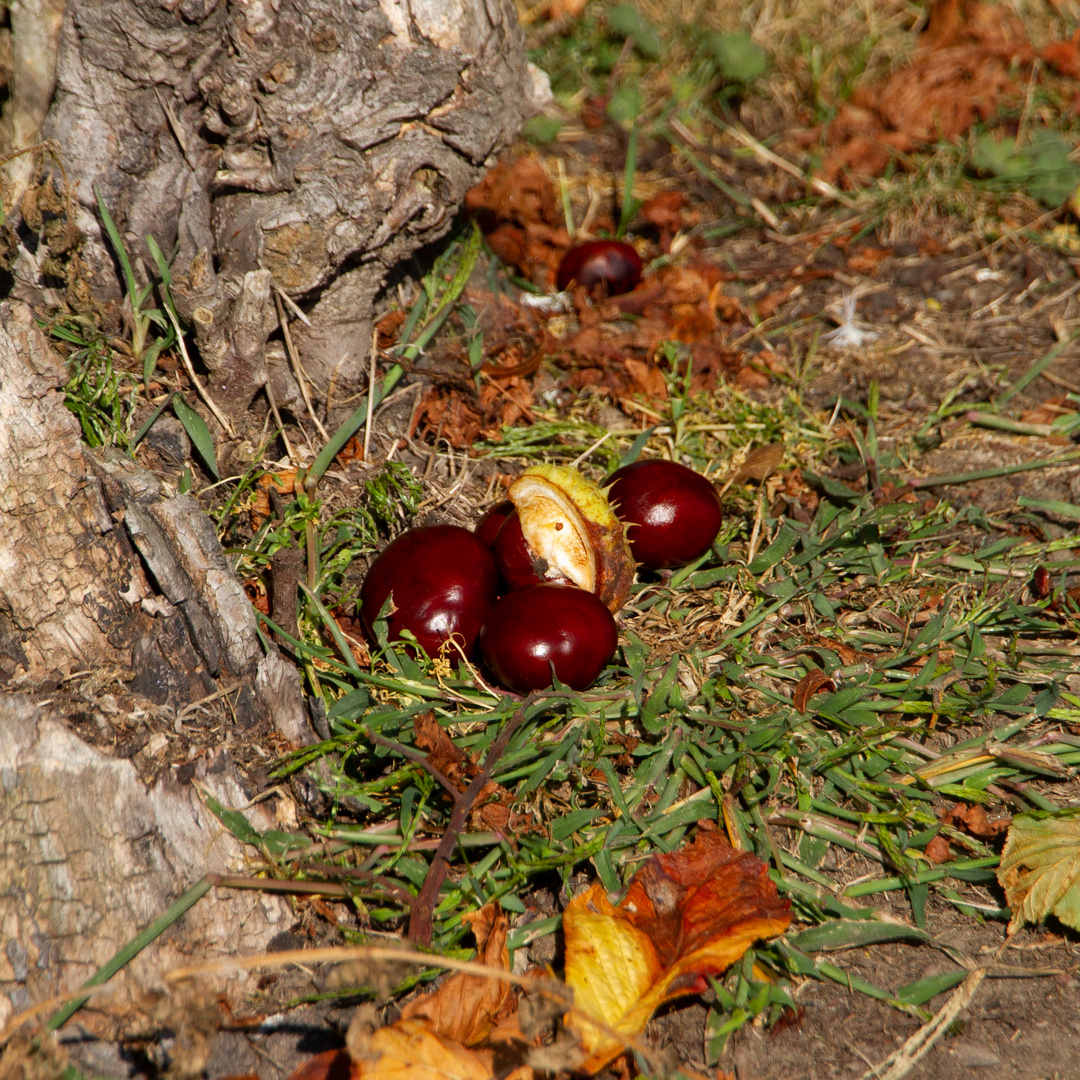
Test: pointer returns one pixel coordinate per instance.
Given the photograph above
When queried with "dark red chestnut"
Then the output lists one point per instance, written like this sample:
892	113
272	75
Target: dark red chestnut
530	630
672	514
488	526
442	580
512	555
611	262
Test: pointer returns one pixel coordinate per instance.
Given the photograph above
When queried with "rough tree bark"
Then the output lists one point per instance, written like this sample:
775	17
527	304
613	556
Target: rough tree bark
101	569
307	145
105	576
89	855
299	145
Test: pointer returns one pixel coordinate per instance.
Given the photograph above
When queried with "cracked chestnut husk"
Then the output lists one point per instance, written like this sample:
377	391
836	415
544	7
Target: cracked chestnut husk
572	533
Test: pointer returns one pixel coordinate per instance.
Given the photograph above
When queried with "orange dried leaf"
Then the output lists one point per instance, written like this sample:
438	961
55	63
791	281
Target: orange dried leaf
810	684
565	9
648	380
938	850
974	820
1064	56
760	463
961	71
283	482
466	1008
407	1050
685	916
443	755
329	1065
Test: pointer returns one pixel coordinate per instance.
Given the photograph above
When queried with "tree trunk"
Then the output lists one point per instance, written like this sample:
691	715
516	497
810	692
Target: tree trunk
108	580
90	856
302	145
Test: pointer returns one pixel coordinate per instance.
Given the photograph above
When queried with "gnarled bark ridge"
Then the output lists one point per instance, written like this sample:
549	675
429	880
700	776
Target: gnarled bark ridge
305	145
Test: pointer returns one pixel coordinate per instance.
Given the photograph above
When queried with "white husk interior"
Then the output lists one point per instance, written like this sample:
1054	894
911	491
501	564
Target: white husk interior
541	508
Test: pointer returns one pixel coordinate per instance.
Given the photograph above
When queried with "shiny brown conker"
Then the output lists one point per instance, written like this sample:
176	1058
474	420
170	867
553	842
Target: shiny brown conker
487	528
609	262
442	581
531	631
672	514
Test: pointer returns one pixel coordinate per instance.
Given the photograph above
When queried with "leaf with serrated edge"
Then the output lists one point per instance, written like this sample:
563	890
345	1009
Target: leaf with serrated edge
1040	869
685	916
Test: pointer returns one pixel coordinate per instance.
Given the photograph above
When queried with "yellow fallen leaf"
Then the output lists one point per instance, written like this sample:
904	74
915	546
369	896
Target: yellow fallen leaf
1040	869
686	915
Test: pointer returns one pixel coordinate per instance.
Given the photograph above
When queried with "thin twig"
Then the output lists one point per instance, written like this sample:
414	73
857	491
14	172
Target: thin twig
292	305
552	989
298	371
822	187
177	130
902	1061
329	870
420	758
221	418
289	448
585	453
424	907
371	389
313	888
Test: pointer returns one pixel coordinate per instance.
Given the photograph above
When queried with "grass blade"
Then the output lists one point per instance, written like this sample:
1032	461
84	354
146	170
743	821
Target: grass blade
630	205
130	951
393	376
1035	370
198	433
118	247
151	420
1051	506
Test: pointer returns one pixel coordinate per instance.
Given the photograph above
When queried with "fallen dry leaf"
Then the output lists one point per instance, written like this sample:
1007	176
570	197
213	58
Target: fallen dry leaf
492	808
960	73
1050	410
1064	56
759	465
667	212
974	820
465	1007
565	9
686	915
283	482
408	1050
329	1065
938	850
443	755
516	207
1040	869
810	684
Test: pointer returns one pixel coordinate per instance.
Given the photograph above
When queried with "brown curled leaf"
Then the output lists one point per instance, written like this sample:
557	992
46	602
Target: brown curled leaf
811	683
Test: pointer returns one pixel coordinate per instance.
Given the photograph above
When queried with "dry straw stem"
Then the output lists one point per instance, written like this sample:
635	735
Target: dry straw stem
763	153
221	418
298	371
898	1064
551	988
